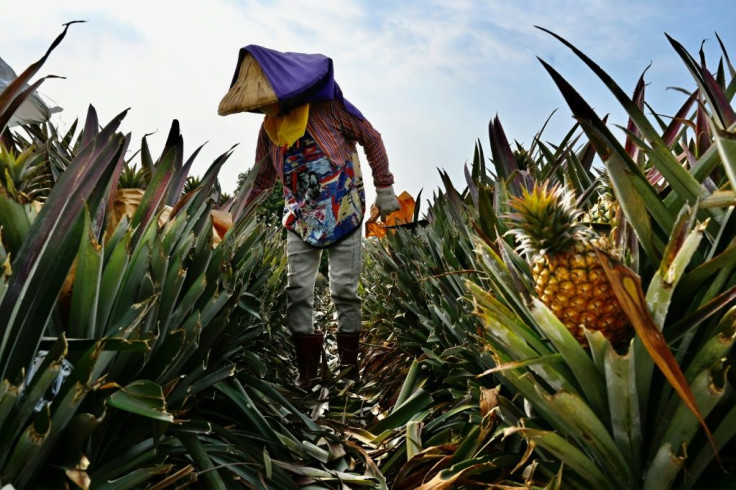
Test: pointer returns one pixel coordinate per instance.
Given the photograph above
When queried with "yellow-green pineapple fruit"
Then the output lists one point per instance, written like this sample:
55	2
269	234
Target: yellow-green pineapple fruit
567	273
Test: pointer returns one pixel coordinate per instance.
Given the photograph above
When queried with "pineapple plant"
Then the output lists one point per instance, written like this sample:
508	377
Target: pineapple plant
146	375
624	418
566	270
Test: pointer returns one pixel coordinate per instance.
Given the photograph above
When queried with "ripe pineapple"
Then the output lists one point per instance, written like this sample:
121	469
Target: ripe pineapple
566	271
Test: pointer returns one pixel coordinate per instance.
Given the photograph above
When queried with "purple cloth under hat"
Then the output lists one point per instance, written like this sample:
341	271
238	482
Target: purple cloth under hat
297	78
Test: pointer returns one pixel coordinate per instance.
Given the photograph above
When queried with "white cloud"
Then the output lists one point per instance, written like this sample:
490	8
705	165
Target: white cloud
428	74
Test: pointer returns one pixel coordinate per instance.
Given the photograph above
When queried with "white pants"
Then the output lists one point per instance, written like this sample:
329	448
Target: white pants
344	259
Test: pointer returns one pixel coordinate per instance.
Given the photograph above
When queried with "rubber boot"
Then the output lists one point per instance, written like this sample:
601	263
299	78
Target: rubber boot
308	347
348	345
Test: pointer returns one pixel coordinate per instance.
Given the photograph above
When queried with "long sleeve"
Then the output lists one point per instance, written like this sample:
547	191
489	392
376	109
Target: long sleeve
369	138
337	130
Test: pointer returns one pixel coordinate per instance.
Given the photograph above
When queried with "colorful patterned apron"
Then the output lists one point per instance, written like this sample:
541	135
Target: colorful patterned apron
323	202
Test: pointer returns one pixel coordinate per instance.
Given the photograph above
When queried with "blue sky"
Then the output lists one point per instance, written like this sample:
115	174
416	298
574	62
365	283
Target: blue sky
429	74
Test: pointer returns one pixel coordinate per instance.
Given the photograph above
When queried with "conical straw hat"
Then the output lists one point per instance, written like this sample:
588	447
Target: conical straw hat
250	90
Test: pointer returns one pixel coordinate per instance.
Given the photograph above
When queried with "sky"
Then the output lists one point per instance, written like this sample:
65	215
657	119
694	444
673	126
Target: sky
428	74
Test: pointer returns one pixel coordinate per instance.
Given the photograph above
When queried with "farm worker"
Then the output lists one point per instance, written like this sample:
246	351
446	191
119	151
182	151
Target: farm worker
307	141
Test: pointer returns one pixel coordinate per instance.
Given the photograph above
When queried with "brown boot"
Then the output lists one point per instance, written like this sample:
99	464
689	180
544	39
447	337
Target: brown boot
348	345
308	347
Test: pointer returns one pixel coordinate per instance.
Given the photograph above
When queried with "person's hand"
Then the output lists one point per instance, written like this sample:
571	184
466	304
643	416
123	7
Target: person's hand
386	201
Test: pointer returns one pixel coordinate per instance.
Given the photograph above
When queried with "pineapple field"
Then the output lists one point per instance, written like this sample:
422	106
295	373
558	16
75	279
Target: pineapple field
562	319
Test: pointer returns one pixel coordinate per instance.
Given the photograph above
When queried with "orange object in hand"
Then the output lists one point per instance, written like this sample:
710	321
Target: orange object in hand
374	227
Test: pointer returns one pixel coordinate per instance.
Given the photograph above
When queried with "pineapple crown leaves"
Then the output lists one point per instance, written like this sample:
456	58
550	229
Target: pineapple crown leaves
545	220
24	175
131	177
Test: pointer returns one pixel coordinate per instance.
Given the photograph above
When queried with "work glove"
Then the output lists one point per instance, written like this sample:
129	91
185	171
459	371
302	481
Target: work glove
386	201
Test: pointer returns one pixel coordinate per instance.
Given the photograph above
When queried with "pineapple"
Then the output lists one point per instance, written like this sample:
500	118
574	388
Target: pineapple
568	277
603	212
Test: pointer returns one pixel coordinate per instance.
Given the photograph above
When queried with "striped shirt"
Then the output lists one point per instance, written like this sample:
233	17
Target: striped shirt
336	131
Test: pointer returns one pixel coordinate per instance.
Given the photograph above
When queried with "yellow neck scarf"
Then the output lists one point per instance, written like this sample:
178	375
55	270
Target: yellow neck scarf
285	129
